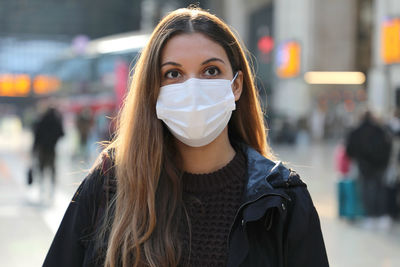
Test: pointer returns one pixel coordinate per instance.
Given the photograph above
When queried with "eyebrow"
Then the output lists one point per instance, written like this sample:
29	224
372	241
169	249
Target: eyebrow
212	59
205	62
171	63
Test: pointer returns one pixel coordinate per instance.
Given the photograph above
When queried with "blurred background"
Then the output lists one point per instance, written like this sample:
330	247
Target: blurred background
319	63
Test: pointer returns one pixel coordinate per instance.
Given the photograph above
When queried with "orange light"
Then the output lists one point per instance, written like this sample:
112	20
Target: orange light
22	84
288	60
43	84
6	85
390	48
14	85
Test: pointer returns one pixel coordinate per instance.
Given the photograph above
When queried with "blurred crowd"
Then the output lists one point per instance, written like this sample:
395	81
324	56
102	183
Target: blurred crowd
367	157
368	161
86	129
333	113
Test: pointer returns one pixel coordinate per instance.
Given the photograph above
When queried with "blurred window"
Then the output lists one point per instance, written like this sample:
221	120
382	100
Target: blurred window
75	69
106	63
51	68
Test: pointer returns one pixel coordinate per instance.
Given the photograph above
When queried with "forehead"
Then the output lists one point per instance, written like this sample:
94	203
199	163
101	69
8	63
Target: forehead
191	47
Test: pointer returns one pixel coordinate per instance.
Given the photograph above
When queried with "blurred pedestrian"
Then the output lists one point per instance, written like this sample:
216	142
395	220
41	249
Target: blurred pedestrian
189	179
47	130
369	144
84	123
393	172
318	119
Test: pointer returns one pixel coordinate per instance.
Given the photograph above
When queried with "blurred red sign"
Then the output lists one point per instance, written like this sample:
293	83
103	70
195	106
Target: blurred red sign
121	74
265	44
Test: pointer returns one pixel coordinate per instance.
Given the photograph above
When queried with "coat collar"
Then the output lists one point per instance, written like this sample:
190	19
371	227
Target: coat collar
264	175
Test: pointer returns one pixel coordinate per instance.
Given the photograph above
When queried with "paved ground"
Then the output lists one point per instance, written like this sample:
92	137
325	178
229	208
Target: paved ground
27	225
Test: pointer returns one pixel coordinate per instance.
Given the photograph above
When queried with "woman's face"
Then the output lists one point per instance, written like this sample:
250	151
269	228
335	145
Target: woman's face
194	55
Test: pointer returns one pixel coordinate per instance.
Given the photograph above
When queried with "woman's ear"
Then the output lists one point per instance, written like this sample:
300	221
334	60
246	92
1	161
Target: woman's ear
237	85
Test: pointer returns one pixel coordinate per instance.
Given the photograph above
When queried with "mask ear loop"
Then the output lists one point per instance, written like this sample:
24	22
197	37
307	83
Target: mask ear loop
234	78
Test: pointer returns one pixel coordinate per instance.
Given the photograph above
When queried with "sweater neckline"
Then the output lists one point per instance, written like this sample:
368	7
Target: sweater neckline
210	182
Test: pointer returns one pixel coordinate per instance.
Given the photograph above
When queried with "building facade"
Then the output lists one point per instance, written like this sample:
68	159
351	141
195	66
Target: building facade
331	36
69	18
384	77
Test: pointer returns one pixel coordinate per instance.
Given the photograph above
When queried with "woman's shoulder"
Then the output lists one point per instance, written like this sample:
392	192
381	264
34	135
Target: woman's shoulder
100	181
287	179
269	174
300	203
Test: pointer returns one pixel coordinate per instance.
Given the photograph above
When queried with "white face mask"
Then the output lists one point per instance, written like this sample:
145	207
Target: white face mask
197	110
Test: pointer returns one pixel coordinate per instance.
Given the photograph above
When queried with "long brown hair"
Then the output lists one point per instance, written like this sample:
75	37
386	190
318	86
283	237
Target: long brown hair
148	203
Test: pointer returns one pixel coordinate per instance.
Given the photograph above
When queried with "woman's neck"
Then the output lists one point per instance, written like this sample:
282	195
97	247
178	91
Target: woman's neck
207	158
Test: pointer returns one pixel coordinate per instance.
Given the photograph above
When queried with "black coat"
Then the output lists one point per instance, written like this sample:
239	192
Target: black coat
369	145
277	224
47	131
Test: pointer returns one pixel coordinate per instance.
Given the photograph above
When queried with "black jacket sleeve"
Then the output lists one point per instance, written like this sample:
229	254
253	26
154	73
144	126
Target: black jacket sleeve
69	244
305	242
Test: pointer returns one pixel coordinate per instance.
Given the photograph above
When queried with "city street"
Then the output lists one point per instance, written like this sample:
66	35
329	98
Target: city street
28	221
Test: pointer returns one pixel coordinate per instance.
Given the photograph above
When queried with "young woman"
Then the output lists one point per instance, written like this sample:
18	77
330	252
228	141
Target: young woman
189	179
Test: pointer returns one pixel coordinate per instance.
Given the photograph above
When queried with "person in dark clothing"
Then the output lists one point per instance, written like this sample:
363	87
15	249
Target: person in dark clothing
369	144
189	179
393	173
84	123
47	130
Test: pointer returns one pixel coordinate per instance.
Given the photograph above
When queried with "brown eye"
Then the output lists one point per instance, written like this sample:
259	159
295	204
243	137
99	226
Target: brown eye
212	71
172	74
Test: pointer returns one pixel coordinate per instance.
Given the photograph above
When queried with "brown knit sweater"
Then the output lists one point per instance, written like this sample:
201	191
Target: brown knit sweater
212	201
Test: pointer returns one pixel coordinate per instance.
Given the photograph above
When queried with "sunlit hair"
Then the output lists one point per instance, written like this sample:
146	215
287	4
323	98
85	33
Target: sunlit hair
148	203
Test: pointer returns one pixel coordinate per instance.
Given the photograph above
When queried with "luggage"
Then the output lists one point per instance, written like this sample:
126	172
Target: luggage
349	200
